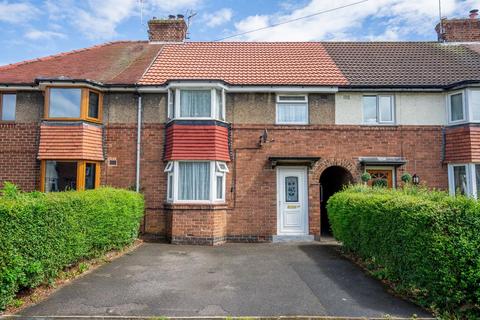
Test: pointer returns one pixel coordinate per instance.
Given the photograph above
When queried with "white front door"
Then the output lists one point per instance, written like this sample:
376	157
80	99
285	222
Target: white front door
292	210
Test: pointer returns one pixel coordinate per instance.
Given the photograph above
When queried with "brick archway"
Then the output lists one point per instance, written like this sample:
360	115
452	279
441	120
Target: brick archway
314	188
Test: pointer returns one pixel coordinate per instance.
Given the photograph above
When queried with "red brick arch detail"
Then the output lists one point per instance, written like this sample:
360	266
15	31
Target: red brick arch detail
350	165
314	188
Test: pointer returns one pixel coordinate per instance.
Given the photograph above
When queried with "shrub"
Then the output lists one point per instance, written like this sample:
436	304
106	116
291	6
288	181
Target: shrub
365	177
426	243
43	233
406	177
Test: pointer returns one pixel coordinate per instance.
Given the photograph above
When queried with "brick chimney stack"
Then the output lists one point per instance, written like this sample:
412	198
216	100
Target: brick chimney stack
459	30
173	29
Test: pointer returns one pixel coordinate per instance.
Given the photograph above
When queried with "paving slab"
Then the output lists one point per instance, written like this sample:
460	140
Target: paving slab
284	279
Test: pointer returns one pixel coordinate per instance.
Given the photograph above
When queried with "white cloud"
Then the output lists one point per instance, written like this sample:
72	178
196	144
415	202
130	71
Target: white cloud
43	35
99	20
383	20
218	17
17	12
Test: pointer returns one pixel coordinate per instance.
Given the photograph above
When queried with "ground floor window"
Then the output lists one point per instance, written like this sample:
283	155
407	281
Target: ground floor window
464	179
65	175
384	176
196	181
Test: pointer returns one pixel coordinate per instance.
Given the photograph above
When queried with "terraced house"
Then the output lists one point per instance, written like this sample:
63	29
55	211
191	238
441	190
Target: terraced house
244	141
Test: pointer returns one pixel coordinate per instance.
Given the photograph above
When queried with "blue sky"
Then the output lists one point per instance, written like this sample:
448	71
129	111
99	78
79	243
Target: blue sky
36	28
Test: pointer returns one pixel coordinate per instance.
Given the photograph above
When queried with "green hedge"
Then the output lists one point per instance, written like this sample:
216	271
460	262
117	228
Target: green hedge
40	234
426	243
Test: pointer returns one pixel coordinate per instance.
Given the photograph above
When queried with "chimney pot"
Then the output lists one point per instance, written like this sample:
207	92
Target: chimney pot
180	16
171	16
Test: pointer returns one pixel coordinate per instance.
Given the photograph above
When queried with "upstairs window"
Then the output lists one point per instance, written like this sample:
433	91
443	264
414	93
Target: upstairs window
456	107
196	103
292	109
8	103
73	103
378	109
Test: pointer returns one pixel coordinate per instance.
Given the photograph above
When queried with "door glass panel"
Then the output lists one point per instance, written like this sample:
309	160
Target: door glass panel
456	107
90	173
291	189
460	180
60	176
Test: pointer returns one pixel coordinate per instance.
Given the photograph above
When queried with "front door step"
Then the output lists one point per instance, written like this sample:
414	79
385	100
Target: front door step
287	238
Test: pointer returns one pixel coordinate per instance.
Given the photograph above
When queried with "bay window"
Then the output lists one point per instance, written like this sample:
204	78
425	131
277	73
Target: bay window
292	109
73	103
463	106
378	109
456	107
196	103
464	179
196	181
65	175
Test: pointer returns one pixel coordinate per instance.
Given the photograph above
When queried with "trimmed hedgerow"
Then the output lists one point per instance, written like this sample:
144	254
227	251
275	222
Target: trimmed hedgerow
426	243
40	234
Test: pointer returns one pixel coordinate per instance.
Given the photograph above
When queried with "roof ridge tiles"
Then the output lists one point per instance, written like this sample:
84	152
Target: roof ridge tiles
65	53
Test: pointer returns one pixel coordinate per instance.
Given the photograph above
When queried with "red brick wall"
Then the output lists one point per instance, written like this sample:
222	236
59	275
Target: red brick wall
121	140
18	155
462	144
197	224
252	210
460	30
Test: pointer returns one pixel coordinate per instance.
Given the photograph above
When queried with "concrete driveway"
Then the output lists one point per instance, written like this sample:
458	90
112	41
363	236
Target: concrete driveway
235	279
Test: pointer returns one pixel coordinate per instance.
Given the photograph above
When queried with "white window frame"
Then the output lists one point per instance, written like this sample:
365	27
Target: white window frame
378	115
217	168
469	99
471	179
173	105
302	102
464	107
170	177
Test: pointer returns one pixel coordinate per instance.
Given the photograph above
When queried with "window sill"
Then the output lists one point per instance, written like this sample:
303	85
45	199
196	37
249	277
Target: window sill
195	206
73	119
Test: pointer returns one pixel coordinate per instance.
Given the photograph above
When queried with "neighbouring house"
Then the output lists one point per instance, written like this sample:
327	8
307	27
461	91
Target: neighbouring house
244	141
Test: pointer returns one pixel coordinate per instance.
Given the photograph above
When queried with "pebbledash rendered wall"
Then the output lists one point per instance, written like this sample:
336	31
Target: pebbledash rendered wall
250	211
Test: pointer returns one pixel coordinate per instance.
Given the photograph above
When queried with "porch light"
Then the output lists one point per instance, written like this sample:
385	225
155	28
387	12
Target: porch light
415	179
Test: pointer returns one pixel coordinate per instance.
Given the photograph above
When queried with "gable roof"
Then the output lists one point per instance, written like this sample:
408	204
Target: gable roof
121	62
246	63
343	64
405	63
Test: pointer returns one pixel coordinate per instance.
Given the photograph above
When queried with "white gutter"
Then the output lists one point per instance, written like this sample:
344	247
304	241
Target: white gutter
139	136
